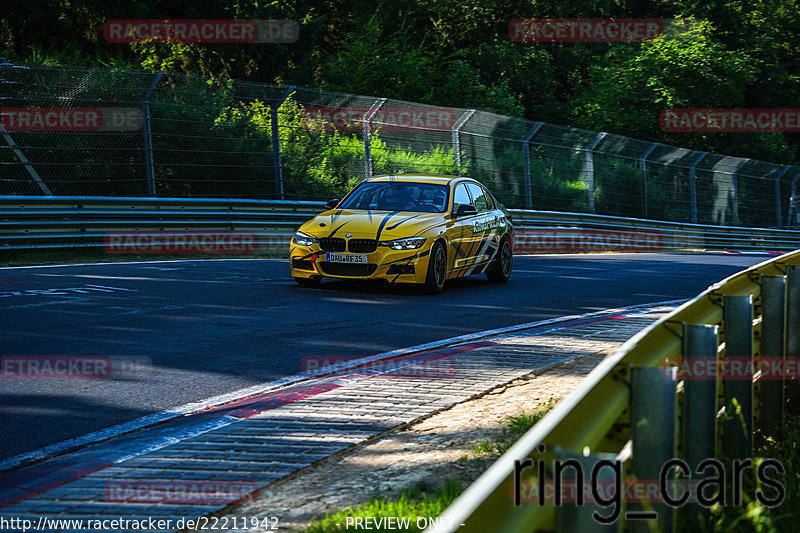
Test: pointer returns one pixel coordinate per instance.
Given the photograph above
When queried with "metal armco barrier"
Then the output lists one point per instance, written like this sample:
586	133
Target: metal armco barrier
689	389
29	222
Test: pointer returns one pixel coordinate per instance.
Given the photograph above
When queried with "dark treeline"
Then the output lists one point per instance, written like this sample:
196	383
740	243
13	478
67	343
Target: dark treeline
458	53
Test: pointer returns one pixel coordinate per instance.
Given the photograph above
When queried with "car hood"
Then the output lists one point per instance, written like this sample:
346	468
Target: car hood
372	224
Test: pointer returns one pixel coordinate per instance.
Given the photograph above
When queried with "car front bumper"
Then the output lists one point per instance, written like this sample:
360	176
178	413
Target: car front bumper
395	266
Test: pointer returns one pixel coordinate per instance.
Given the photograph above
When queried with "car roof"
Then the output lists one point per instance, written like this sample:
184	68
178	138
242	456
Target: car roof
418	178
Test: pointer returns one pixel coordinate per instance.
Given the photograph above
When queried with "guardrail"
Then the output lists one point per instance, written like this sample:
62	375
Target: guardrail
30	222
693	386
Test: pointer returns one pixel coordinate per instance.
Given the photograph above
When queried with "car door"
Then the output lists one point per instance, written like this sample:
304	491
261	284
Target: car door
484	227
462	239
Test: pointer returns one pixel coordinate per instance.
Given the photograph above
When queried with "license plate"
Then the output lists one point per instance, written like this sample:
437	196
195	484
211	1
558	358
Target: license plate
347	258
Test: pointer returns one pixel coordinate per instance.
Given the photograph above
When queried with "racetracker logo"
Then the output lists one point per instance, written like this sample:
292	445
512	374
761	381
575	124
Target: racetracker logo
190	242
591	30
417	366
730	120
582	241
186	492
201	31
73	367
731	368
390	118
76	119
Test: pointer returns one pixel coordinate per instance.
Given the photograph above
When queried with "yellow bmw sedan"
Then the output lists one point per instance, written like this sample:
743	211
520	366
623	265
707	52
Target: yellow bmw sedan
407	229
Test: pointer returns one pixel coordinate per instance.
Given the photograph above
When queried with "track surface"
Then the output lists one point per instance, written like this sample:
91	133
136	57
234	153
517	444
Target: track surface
212	327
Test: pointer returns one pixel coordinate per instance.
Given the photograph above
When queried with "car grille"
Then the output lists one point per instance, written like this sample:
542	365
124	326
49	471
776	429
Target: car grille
362	246
348	269
302	264
332	244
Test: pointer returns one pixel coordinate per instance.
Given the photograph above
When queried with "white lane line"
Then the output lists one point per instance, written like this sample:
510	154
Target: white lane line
143	262
270	386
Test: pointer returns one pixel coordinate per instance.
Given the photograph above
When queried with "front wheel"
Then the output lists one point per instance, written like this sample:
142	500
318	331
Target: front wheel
500	270
437	269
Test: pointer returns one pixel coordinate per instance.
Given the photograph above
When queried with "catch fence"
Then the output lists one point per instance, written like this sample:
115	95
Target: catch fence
95	132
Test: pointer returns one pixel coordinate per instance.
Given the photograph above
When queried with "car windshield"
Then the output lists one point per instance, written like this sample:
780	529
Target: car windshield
398	196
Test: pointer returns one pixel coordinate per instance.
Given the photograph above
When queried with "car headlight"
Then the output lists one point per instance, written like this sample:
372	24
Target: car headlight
302	239
411	243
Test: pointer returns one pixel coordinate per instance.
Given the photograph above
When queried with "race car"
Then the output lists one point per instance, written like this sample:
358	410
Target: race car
407	229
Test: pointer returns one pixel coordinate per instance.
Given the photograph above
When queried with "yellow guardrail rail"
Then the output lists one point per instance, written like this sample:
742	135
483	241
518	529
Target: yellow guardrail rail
691	387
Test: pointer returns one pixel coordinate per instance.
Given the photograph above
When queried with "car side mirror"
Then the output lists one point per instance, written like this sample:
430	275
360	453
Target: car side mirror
332	203
466	209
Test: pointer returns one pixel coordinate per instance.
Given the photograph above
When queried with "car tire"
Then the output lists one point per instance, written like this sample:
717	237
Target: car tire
437	269
500	269
309	282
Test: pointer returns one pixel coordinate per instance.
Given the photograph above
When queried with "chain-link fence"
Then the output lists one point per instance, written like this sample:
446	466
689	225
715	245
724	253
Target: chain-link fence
76	131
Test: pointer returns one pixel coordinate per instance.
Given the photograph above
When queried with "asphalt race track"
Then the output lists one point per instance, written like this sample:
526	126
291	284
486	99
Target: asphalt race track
196	329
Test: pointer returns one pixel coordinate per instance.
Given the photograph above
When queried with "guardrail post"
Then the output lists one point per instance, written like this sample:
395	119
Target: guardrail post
590	168
735	190
693	186
643	167
149	164
276	140
773	314
653	416
526	157
456	137
699	407
570	517
367	128
738	379
793	333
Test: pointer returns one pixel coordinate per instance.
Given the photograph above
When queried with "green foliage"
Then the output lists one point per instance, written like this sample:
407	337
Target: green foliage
322	162
423	500
734	53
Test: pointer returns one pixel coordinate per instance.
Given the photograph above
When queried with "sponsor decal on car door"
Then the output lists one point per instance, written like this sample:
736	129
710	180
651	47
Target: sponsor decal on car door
465	241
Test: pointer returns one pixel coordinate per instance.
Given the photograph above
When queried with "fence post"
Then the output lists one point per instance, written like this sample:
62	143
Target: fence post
693	186
738	320
653	419
276	140
778	216
699	408
365	123
773	315
793	202
643	167
456	140
735	190
149	164
590	168
526	157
